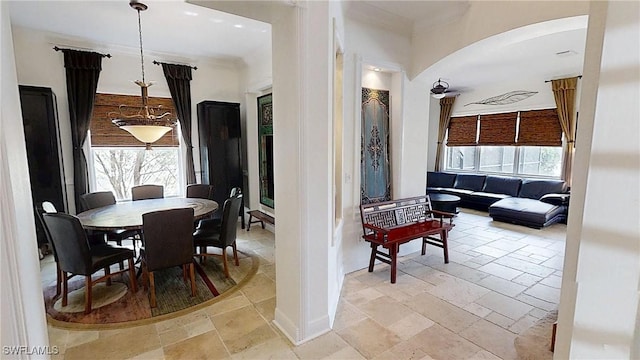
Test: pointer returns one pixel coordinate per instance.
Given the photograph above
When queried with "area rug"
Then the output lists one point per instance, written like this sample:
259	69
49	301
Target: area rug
113	307
535	342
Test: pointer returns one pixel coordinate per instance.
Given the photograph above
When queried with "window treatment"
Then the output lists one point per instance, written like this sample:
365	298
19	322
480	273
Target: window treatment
179	81
82	72
462	131
446	106
539	128
564	92
498	129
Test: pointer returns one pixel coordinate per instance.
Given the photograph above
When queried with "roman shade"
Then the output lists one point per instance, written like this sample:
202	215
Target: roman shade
540	128
462	131
498	129
106	134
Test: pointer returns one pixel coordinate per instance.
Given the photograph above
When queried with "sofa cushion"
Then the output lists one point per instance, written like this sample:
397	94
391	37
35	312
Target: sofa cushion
440	179
525	211
457	192
469	182
502	185
534	189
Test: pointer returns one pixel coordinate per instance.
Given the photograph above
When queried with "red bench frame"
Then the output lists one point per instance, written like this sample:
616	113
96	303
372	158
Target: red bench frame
392	223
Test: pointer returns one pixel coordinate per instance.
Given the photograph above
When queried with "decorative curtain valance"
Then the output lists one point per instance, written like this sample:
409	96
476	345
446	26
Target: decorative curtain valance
82	70
462	131
540	128
446	105
179	80
498	129
105	134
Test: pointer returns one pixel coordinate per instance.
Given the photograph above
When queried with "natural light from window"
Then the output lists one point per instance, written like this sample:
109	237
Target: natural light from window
538	161
118	169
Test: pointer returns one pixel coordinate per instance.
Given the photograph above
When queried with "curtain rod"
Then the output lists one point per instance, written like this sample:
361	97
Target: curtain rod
579	77
103	55
160	63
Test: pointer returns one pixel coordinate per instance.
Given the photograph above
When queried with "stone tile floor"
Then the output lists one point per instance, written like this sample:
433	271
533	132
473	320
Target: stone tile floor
501	279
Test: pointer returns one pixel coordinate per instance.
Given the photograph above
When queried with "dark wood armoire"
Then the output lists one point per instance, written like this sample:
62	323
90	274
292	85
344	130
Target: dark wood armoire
221	149
44	152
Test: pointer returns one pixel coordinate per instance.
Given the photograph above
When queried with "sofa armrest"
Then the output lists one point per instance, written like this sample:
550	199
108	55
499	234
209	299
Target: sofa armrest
556	199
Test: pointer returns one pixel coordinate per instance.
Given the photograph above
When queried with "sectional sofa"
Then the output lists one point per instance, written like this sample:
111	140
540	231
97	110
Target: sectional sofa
534	203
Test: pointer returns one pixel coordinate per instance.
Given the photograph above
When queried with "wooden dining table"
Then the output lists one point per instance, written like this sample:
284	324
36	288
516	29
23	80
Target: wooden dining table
128	214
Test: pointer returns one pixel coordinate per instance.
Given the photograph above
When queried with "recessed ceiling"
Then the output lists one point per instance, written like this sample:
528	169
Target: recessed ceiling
172	27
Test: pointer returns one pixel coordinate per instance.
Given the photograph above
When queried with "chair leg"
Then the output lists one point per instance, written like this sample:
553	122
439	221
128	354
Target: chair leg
107	271
65	288
152	290
445	246
184	272
424	245
192	275
235	253
58	280
132	276
224	261
87	294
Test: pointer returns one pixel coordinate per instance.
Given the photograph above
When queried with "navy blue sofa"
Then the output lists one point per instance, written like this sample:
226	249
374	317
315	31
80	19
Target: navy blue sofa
531	202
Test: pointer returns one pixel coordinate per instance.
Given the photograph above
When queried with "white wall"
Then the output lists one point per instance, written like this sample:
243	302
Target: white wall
480	21
22	312
39	65
599	302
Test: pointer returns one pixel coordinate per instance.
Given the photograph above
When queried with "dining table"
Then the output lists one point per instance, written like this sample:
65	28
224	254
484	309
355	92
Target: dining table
128	214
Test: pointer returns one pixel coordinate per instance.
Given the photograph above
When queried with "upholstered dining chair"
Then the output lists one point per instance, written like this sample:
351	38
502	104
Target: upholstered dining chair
143	192
220	237
201	191
103	198
214	224
167	242
48	207
77	258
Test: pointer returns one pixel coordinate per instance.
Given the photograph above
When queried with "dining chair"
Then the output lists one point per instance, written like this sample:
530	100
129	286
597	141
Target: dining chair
48	207
143	192
104	198
201	191
77	258
220	237
167	242
215	223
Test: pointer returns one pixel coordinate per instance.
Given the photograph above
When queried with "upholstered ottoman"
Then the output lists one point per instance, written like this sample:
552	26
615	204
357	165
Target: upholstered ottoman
528	212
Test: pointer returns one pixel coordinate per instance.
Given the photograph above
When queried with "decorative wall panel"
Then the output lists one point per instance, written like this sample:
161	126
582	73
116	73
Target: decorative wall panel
375	166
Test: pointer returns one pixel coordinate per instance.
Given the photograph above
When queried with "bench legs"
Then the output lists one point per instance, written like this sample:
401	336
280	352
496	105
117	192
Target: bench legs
390	258
374	251
441	242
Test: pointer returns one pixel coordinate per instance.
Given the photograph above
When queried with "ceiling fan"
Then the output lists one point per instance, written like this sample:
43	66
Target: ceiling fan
440	89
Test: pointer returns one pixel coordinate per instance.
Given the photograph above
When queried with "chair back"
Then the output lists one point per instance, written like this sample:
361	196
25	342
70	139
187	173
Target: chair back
201	191
168	238
70	242
235	191
230	220
143	192
96	199
48	207
39	211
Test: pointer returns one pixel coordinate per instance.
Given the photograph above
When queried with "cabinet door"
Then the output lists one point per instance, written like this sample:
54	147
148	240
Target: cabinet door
42	140
220	141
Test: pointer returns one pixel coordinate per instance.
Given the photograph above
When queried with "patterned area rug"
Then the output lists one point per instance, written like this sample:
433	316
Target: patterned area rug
173	295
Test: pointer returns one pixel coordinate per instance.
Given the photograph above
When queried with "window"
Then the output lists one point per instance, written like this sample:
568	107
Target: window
117	161
517	143
119	169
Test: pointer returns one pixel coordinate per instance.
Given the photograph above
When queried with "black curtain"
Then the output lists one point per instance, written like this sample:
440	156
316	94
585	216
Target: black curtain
83	69
179	81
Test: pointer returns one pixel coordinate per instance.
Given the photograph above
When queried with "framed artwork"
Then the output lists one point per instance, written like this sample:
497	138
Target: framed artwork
265	150
375	165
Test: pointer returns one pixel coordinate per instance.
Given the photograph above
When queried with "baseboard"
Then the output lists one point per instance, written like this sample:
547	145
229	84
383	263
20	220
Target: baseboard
288	328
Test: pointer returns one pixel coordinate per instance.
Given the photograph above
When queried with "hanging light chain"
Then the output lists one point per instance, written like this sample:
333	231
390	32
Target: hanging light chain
141	54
